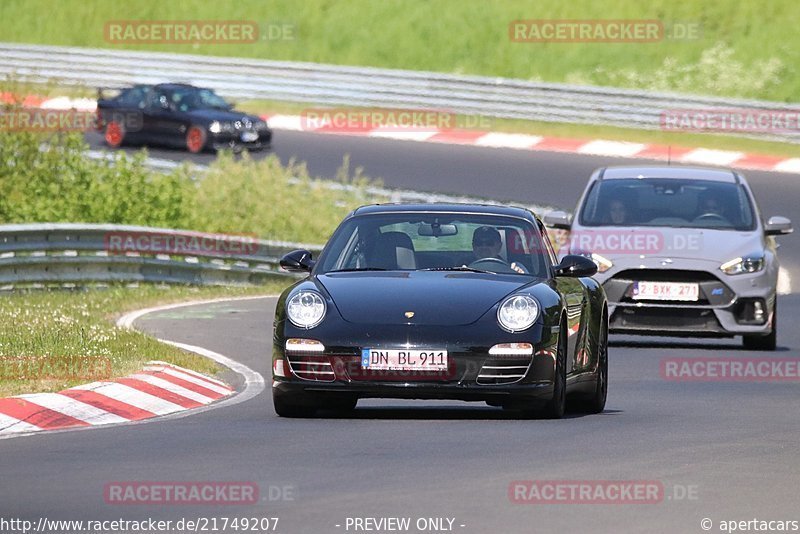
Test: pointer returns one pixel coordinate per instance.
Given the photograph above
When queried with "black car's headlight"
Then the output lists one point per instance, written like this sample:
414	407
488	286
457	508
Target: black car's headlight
220	126
517	313
306	309
748	264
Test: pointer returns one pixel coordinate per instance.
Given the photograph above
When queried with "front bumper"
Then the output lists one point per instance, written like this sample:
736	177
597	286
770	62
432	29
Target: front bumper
472	374
726	306
234	140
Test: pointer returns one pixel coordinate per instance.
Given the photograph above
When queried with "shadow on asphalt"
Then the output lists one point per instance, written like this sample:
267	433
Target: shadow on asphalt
698	344
439	414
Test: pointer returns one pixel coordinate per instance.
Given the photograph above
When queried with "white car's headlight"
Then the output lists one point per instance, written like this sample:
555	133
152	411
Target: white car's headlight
518	313
306	309
750	264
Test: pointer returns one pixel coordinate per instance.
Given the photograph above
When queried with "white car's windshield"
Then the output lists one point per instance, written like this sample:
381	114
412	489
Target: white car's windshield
668	202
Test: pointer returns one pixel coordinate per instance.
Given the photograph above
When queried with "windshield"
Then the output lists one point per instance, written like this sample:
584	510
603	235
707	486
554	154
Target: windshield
190	99
668	202
436	241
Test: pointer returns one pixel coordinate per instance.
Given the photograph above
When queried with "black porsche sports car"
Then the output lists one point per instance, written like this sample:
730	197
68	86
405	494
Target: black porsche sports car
440	301
179	115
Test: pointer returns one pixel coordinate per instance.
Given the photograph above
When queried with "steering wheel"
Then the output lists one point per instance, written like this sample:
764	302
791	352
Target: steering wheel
491	264
711	215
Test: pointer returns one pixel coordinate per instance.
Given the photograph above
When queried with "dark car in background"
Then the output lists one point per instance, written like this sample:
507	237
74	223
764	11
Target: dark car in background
180	116
440	301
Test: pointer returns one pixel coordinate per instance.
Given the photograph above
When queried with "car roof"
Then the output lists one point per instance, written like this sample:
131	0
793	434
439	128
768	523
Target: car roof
173	86
668	172
487	209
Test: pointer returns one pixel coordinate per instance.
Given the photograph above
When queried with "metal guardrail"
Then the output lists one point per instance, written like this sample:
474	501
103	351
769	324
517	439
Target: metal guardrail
67	254
362	86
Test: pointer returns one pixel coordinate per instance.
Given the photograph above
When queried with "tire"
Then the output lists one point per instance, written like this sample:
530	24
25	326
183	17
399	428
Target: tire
767	342
289	407
557	405
195	139
114	134
597	402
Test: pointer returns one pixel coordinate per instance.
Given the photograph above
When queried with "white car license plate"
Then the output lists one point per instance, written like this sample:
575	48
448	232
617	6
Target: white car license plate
666	291
404	360
249	137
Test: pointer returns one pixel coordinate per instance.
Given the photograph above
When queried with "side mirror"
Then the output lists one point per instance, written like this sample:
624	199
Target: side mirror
297	261
778	226
576	266
558	219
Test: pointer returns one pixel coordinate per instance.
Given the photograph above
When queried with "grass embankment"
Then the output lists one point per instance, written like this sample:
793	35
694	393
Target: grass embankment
745	49
58	183
53	339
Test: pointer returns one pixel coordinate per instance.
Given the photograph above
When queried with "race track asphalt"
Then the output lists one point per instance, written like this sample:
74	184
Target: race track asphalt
720	450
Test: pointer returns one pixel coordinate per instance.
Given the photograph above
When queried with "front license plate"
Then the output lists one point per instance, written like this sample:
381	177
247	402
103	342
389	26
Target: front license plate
404	360
249	137
666	291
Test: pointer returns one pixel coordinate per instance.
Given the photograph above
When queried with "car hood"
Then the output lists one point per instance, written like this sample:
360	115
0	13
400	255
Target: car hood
435	298
221	115
643	242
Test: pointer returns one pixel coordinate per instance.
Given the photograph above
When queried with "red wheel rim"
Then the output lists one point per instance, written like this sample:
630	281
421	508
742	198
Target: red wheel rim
113	134
194	140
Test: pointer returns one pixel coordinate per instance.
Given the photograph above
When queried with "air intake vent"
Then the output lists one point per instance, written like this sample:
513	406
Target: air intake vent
497	371
317	368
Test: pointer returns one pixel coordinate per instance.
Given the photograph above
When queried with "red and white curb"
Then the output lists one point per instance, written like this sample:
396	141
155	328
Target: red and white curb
595	147
480	138
159	391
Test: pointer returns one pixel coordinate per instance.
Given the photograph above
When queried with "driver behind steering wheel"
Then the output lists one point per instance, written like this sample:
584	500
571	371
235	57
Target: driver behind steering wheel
711	206
487	243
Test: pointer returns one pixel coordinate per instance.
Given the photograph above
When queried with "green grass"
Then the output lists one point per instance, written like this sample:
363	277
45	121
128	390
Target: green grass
236	195
70	336
51	340
746	48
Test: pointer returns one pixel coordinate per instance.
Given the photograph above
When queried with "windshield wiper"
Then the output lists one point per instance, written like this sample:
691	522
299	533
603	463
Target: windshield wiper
356	269
460	268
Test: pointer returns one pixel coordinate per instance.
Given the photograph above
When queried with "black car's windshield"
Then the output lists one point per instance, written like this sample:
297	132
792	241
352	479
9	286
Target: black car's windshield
192	98
436	242
668	202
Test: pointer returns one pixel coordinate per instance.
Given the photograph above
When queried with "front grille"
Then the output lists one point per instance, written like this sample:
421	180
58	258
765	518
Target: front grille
713	292
664	320
497	371
317	368
666	275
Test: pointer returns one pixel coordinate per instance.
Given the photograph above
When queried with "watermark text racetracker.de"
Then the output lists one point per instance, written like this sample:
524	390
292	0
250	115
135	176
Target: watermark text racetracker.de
741	120
55	367
628	241
197	31
42	120
601	30
730	369
181	243
598	492
389	120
